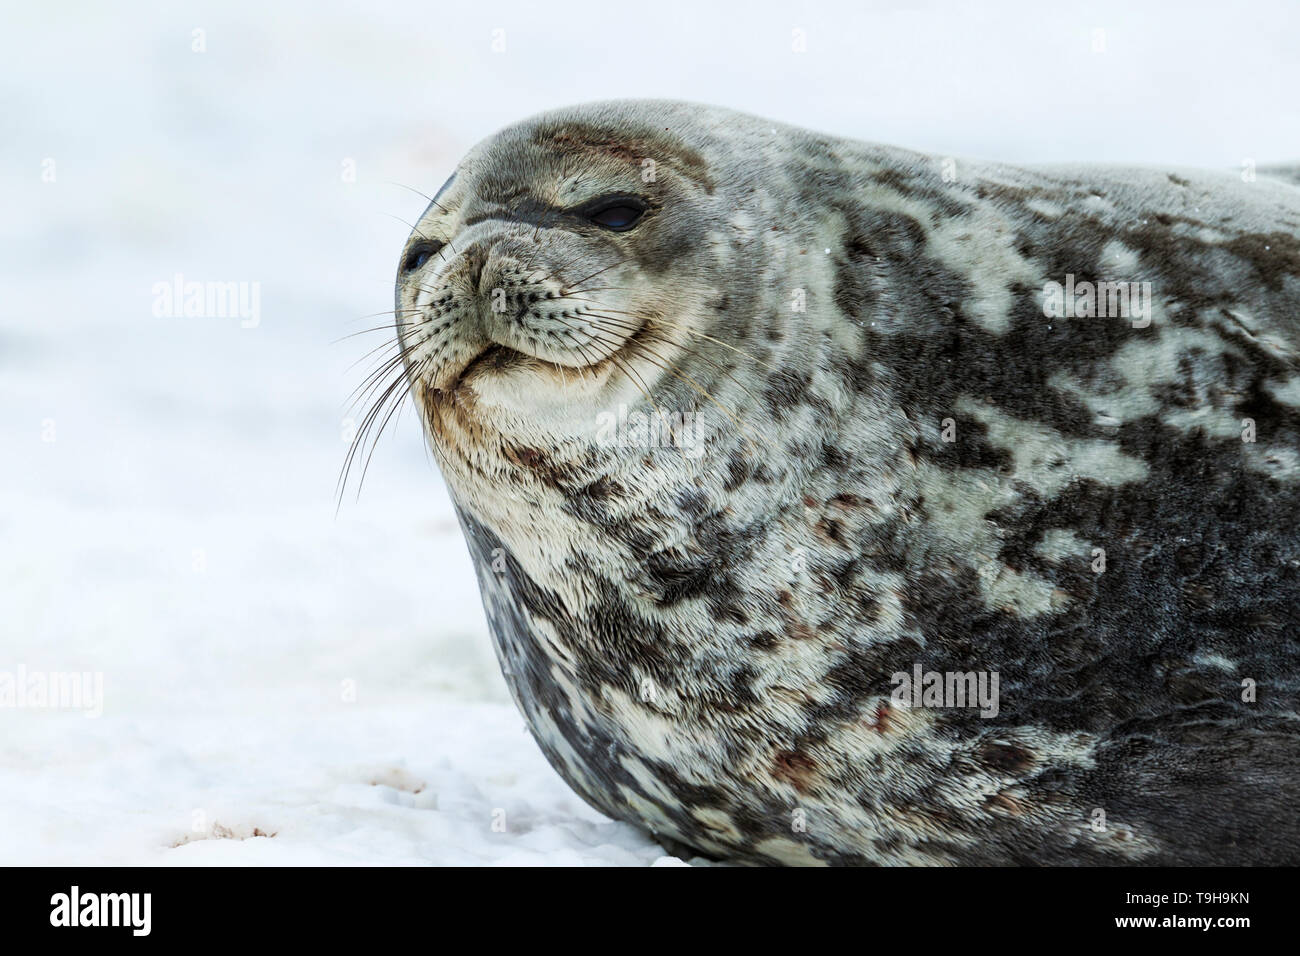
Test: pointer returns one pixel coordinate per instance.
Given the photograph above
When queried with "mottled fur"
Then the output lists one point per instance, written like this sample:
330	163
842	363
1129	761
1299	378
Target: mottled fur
703	645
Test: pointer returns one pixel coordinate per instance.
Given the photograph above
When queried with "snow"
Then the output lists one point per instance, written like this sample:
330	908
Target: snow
281	685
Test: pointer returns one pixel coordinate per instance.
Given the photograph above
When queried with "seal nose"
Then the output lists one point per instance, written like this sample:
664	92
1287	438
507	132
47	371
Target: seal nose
476	259
504	280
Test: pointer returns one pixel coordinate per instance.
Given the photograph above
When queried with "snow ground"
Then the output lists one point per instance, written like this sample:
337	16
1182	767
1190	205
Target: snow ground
281	685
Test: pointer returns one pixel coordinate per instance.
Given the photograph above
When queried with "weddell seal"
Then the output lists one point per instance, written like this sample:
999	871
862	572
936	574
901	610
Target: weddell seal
834	503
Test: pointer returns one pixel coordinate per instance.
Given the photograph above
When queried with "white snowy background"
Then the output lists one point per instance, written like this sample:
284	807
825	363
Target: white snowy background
167	510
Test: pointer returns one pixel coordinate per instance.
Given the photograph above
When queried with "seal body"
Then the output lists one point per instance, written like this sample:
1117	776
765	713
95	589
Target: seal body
833	503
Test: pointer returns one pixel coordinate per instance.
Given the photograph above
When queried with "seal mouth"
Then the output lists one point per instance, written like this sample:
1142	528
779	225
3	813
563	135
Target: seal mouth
500	358
496	357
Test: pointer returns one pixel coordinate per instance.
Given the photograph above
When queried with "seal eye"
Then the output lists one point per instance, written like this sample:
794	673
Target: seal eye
419	254
619	214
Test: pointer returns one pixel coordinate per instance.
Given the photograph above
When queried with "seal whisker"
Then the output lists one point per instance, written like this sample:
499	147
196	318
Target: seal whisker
552	273
432	201
378	387
550	217
612	357
725	345
394	406
367	423
663	364
374	379
600	288
597	272
375	315
378	328
389	344
628	327
386	365
409	225
690	350
677	325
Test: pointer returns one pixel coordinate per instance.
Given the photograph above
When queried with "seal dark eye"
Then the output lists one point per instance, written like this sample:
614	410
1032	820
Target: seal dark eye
419	254
619	214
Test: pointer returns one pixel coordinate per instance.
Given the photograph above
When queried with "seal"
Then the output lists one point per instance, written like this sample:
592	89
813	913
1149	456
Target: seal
837	504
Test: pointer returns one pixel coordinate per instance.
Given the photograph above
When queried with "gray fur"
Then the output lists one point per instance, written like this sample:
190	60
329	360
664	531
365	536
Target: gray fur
703	635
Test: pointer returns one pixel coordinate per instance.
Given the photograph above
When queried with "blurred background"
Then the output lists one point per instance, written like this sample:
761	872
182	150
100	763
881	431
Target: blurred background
282	684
